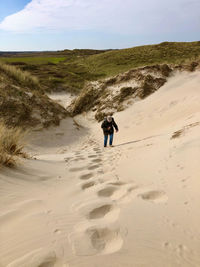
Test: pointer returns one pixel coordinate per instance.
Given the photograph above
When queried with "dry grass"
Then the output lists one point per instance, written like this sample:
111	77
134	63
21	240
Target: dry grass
21	77
11	144
86	100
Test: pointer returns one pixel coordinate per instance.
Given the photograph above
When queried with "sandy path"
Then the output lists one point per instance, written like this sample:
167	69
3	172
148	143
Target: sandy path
133	205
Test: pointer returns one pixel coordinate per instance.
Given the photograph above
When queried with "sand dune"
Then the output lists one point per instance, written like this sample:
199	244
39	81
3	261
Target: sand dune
80	205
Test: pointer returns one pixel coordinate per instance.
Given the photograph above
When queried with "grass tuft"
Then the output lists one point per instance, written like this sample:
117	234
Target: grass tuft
11	144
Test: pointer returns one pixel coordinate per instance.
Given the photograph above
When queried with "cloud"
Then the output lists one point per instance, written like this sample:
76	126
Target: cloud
119	16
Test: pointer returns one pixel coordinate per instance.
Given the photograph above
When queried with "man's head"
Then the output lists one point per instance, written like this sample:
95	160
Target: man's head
109	118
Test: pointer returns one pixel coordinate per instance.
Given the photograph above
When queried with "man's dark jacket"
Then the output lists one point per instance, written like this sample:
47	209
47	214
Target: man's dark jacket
108	127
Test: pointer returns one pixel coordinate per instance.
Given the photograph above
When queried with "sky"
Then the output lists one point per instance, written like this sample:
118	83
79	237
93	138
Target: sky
35	25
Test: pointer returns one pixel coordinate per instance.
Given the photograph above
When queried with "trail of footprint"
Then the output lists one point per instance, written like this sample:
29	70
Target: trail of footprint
154	196
98	239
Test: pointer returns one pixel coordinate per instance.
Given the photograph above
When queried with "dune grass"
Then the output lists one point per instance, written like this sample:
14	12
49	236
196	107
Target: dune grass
21	77
11	145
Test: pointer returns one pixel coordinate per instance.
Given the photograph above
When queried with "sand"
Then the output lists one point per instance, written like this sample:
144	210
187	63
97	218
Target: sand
78	204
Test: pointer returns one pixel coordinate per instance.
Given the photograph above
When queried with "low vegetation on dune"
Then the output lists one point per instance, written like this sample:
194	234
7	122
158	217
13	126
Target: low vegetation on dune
23	102
71	70
23	78
23	105
107	96
12	141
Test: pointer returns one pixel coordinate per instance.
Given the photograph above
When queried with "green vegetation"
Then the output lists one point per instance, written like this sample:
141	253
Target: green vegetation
69	70
57	71
33	60
115	62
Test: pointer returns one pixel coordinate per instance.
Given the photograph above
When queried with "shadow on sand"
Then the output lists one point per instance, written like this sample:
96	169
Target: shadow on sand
136	141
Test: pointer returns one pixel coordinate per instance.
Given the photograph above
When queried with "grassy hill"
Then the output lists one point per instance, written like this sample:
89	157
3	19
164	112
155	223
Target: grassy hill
69	70
115	62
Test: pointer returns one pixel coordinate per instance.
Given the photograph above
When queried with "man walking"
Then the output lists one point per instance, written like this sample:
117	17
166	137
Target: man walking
108	130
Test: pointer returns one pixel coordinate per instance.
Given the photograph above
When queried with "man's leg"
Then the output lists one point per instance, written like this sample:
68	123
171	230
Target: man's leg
111	139
105	140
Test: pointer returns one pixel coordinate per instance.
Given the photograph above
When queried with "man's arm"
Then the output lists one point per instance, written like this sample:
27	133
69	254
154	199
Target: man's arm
115	125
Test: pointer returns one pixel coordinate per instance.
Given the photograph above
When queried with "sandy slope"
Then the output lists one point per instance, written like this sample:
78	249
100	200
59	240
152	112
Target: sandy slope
136	204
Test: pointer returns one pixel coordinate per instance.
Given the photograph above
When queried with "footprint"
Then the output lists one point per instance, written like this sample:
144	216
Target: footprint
86	176
104	240
117	183
154	196
57	231
100	212
76	169
107	192
93	167
78	159
117	193
67	159
92	156
97	149
88	185
97	160
96	241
